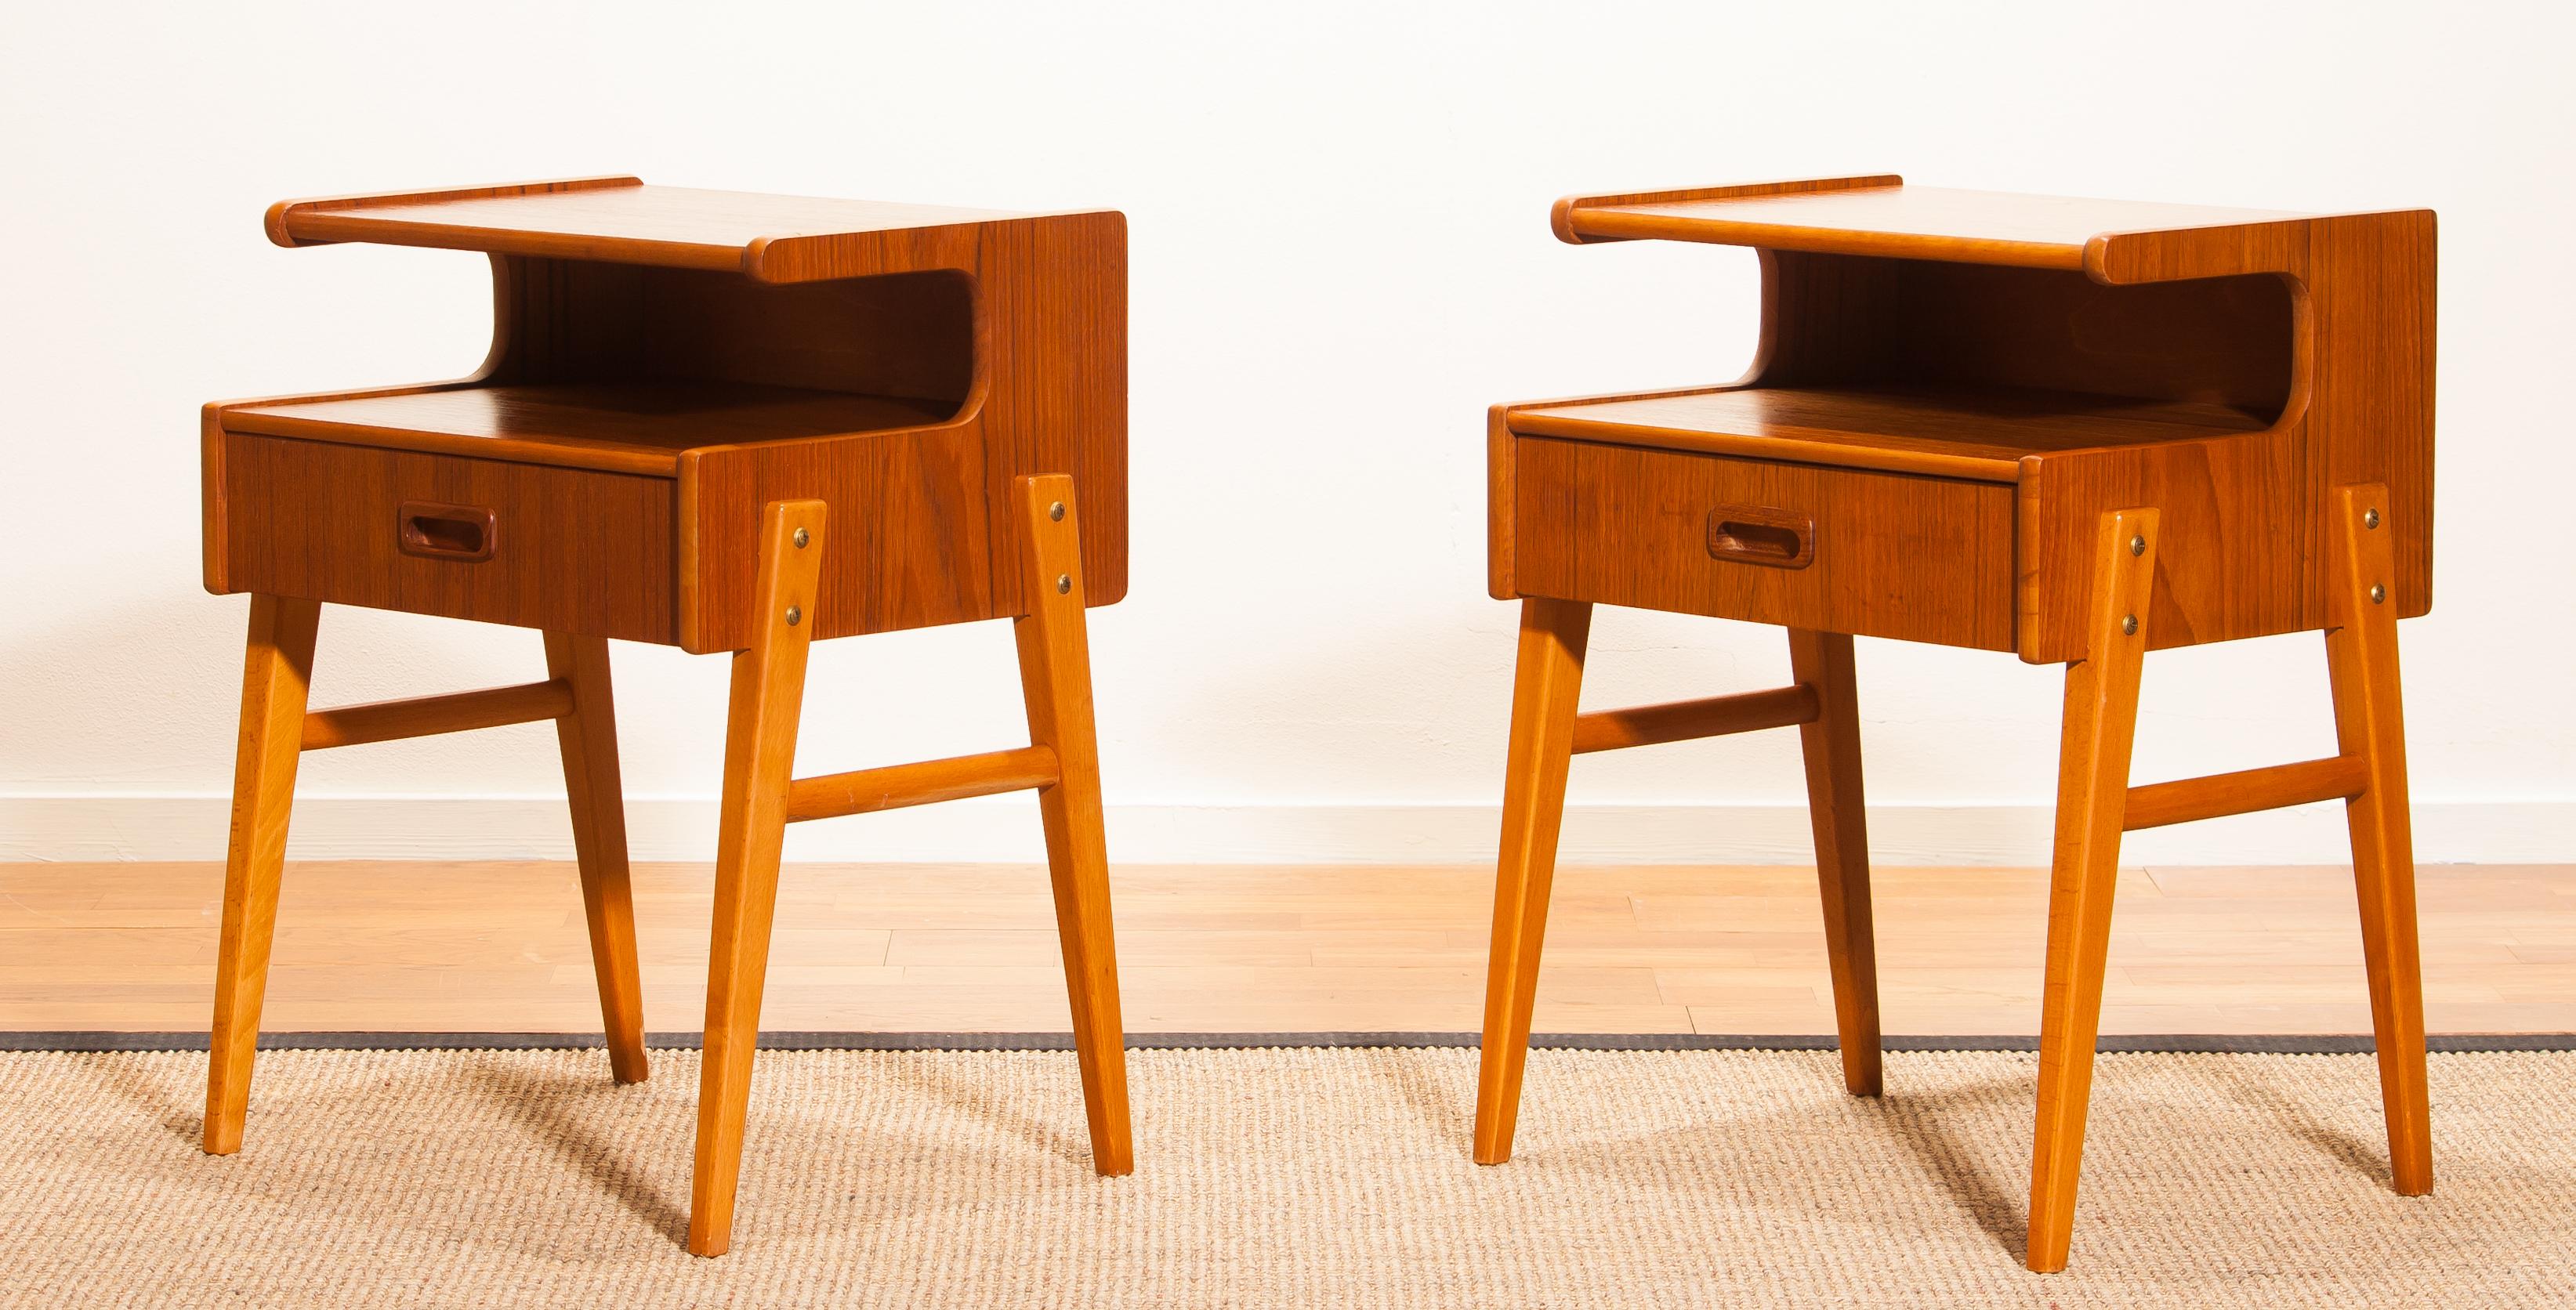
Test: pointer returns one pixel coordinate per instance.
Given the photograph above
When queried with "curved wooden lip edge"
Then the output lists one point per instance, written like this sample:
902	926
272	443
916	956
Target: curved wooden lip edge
1561	217
774	257
2110	258
275	221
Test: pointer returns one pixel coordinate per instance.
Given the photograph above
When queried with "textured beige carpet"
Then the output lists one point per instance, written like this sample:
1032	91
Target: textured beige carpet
1282	1178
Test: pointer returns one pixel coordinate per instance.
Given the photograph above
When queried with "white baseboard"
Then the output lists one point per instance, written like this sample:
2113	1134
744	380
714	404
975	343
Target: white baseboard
1005	829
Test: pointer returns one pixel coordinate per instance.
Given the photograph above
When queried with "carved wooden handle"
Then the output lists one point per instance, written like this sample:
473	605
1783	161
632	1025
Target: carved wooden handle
460	533
1760	534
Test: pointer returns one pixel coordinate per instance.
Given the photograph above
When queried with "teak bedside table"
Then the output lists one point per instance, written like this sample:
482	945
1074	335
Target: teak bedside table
723	422
2076	430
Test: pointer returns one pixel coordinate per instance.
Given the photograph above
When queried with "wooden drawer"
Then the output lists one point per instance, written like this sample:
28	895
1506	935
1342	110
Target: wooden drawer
1832	549
570	550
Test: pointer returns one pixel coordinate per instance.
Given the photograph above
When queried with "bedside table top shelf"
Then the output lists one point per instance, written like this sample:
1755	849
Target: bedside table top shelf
623	220
2112	241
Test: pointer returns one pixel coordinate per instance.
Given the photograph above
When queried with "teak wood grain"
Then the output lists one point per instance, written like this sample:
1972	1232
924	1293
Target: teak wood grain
1830	742
277	677
1547	733
572	550
420	716
1978	434
1926	559
1713	716
906	363
2278	786
1883	216
898	786
2092	795
1055	682
586	736
682	388
2361	660
1546	687
2073	429
760	759
637	427
2229	367
621	220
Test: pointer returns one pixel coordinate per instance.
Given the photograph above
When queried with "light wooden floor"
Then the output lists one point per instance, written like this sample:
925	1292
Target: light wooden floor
499	947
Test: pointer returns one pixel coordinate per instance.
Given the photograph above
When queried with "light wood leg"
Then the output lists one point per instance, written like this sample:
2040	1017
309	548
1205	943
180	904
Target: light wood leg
2361	658
588	740
1823	660
277	675
1549	680
760	755
2092	800
1055	677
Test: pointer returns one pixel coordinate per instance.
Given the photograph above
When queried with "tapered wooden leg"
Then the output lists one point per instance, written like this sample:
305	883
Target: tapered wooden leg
277	673
1823	660
760	754
588	740
2092	800
2361	657
1055	677
1554	634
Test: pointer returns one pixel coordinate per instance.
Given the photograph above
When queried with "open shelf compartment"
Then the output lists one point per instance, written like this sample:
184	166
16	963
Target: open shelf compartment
1964	370
632	427
1977	433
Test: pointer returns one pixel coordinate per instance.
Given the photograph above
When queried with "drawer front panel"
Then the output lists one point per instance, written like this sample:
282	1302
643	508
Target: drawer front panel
570	550
1837	550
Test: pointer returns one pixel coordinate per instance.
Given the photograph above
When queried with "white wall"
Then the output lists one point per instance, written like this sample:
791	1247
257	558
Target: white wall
1340	256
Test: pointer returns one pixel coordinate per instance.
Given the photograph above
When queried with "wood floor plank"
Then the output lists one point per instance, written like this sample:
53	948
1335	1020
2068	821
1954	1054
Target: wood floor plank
499	946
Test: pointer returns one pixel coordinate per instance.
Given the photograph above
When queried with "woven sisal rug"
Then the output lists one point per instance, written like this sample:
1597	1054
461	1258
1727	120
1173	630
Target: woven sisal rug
1296	1178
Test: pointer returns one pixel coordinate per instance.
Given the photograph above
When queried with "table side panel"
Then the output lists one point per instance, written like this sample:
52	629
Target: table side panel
2244	552
907	545
2370	414
2233	562
572	550
1502	504
1894	555
1050	391
1055	309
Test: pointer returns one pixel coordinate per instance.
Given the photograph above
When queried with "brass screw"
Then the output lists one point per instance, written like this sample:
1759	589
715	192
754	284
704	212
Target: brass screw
801	538
2138	545
2378	594
1063	583
2129	626
1055	511
2370	518
794	616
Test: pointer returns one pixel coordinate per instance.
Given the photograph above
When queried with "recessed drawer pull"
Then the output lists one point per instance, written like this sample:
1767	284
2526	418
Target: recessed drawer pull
1759	534
461	533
